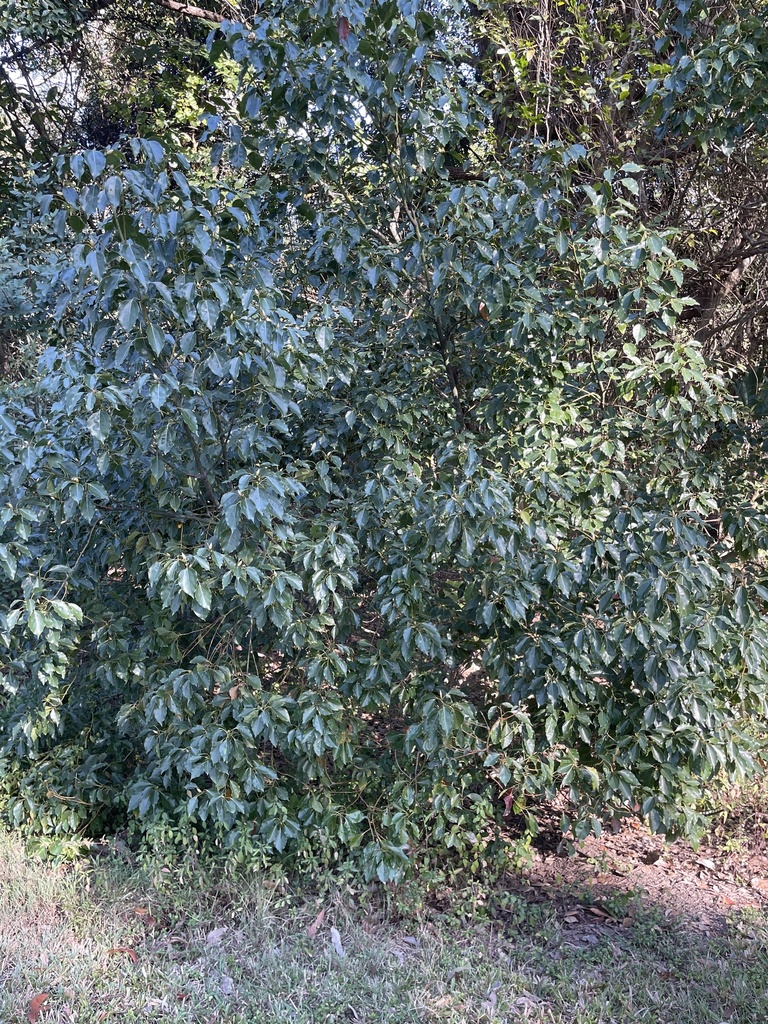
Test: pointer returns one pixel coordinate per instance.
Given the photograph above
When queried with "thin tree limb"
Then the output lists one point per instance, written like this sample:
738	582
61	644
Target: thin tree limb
190	11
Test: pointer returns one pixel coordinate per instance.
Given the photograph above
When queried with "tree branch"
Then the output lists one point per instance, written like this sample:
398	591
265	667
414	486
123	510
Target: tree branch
203	476
450	369
190	11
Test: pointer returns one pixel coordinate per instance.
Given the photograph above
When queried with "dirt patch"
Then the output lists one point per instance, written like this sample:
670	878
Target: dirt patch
607	876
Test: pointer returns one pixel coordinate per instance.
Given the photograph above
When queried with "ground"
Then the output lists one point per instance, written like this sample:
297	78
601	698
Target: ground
728	872
628	930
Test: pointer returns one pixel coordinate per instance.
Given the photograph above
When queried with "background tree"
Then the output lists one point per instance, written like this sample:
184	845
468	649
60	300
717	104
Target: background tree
675	87
75	75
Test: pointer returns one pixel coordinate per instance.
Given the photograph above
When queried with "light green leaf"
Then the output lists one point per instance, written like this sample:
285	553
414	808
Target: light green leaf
37	622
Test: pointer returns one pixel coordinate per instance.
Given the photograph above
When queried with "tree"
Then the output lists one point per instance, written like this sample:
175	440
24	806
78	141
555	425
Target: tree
675	87
74	75
368	496
89	75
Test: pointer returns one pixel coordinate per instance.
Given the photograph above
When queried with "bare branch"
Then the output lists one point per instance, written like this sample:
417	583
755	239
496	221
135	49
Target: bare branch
191	12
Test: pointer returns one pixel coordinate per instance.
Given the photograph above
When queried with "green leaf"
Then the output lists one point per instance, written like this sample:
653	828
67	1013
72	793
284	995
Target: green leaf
158	394
445	720
155	339
37	622
128	313
100	424
324	336
68	612
188	581
113	190
96	162
209	311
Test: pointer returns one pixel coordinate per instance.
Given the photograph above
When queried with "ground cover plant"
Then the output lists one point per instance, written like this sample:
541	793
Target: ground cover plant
114	942
374	484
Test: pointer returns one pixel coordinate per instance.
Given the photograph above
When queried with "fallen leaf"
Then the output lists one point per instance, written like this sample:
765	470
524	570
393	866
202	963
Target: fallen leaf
182	997
145	916
455	973
489	1006
599	913
336	941
214	937
705	862
227	985
124	949
571	918
316	925
589	938
526	1000
761	884
411	940
35	1006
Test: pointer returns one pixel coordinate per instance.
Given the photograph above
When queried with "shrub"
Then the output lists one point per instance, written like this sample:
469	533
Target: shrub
371	491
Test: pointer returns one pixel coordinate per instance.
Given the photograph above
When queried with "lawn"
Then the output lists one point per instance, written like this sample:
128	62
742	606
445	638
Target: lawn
110	941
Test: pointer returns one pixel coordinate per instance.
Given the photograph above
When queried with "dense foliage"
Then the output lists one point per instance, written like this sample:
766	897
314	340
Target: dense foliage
374	484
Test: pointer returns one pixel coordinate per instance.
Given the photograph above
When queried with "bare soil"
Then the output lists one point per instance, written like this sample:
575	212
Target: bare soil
601	884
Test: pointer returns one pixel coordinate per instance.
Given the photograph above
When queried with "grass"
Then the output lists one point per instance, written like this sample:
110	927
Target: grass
73	932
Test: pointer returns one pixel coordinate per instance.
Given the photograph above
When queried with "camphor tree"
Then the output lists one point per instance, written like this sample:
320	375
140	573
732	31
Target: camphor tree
366	496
